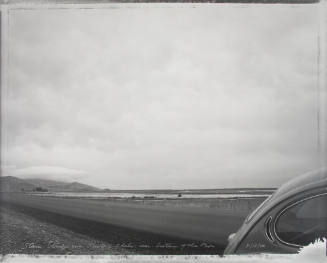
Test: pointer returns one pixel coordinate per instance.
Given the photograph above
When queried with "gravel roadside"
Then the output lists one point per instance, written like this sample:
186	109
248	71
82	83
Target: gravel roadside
23	234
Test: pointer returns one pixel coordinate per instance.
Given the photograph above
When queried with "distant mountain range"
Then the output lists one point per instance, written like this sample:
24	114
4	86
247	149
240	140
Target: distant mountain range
14	184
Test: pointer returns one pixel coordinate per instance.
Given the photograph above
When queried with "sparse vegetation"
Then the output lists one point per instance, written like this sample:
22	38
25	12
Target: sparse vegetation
40	189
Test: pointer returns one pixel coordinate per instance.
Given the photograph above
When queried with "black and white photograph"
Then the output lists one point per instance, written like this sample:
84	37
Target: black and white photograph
174	129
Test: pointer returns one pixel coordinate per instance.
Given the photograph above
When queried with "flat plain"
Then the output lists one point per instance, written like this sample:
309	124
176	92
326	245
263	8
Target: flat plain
33	224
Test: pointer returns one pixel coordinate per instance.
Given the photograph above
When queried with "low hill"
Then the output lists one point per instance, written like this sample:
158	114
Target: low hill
46	183
59	186
14	184
78	187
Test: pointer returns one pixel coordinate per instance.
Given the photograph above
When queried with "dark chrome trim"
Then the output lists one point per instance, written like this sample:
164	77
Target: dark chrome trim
268	234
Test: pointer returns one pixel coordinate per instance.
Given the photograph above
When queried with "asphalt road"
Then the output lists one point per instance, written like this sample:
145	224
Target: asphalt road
194	223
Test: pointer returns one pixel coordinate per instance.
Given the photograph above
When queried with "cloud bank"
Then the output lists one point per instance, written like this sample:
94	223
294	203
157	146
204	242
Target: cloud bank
163	96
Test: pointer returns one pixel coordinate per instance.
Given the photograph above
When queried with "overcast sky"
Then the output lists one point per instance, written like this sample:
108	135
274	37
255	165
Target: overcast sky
162	96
